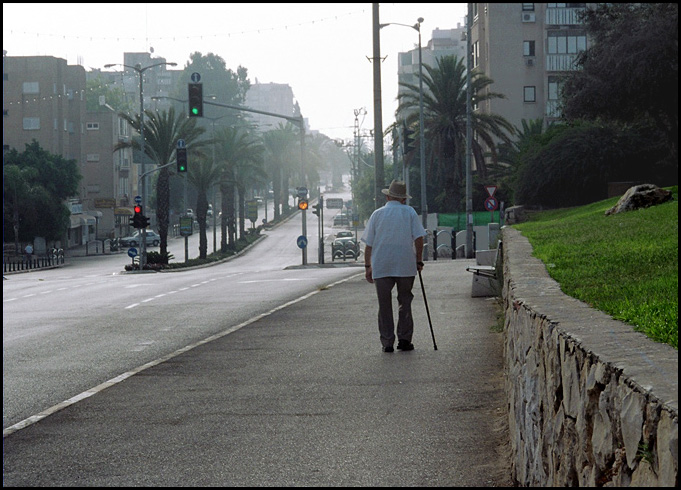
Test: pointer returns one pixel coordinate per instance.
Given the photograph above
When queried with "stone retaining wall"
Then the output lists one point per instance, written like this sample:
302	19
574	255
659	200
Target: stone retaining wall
591	402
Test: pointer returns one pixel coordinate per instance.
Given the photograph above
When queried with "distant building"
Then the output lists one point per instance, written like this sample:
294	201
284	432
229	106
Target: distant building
276	98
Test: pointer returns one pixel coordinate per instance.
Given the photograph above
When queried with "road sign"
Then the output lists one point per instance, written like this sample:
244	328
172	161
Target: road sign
252	210
181	144
302	192
138	199
132	252
196	78
491	204
334	203
491	189
302	241
186	226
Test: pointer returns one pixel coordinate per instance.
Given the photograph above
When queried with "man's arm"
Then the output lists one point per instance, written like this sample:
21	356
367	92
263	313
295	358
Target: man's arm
418	244
367	264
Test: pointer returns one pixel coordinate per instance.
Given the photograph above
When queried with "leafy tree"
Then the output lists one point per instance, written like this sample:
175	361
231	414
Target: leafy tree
161	132
35	185
113	96
630	72
573	163
444	107
220	84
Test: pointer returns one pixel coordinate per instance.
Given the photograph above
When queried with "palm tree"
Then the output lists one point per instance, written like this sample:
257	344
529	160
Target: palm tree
282	157
444	107
161	132
249	173
234	149
203	174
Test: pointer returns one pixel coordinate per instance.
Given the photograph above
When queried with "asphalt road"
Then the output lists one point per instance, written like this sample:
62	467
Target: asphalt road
300	395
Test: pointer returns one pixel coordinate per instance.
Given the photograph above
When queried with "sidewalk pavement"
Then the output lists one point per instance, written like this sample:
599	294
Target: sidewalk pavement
302	396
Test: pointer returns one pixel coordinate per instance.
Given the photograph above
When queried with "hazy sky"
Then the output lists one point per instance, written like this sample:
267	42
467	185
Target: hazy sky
320	50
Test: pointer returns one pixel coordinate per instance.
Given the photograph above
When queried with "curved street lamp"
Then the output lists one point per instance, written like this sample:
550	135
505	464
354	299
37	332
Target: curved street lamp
140	71
422	147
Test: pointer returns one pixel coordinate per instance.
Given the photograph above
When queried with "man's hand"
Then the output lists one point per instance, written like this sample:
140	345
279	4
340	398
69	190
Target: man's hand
367	275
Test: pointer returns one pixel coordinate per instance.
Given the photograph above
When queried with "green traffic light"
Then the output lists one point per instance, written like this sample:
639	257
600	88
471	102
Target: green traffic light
195	110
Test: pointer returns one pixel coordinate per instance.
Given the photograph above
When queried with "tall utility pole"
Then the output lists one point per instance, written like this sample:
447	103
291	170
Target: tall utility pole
140	71
379	177
470	253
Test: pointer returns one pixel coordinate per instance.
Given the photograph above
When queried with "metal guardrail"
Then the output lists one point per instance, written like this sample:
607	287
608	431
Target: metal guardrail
26	262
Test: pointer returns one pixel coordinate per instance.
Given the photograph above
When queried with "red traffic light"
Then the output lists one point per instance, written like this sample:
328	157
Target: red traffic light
138	209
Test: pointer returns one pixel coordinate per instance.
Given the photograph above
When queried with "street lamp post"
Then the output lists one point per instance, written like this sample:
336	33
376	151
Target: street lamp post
140	71
422	145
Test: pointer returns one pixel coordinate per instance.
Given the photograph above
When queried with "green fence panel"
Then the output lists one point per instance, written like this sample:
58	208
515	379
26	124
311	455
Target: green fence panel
458	220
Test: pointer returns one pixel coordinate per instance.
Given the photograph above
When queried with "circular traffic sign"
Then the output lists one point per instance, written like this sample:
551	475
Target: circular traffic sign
196	77
138	199
132	252
491	204
302	241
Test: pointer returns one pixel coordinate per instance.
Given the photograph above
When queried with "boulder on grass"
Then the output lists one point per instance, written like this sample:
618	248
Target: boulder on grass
640	196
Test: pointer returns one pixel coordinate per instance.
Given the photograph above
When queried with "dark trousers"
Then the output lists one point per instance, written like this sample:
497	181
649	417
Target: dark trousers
386	322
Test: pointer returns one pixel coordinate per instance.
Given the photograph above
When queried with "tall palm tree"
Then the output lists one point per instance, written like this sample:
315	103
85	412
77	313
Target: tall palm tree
444	107
234	148
161	132
203	174
282	158
249	173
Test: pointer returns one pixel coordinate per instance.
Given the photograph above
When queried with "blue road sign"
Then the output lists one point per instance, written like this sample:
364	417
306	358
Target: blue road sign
132	252
302	241
138	199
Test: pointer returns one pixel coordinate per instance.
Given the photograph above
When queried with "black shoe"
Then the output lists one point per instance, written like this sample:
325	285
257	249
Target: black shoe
388	348
405	345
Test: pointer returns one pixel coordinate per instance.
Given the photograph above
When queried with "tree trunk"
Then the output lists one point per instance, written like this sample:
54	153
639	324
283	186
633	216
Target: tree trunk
162	200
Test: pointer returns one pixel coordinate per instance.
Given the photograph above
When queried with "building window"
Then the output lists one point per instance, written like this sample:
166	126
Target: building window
528	48
528	7
93	157
529	94
92	126
31	123
570	41
31	88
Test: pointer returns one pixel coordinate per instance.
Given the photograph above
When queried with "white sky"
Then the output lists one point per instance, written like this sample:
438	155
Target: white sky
319	49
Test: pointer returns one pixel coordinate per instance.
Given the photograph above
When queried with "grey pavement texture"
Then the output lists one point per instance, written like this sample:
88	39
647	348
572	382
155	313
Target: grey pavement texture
301	397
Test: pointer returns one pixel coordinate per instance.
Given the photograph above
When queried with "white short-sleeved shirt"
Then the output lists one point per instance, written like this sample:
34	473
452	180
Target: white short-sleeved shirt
390	233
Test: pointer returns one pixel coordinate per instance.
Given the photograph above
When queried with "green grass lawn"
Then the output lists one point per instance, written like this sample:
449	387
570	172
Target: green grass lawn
625	265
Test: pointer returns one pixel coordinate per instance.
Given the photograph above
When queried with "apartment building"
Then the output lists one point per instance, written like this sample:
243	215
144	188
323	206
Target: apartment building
44	99
524	48
276	98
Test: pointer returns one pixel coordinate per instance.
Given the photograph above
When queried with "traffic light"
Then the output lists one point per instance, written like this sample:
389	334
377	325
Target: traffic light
145	222
137	220
195	99
317	209
408	140
302	204
181	157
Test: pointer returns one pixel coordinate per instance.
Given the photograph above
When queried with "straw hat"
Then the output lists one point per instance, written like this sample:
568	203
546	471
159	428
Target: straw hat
397	189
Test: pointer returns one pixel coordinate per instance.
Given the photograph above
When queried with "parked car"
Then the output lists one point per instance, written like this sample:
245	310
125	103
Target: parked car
341	219
344	246
153	239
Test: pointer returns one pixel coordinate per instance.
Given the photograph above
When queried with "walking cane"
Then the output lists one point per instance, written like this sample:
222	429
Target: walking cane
427	311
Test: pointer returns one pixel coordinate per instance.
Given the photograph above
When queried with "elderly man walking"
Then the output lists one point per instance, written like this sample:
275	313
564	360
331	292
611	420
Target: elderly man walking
392	256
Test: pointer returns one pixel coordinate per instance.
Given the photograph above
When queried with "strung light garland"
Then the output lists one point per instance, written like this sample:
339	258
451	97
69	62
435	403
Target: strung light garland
174	37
